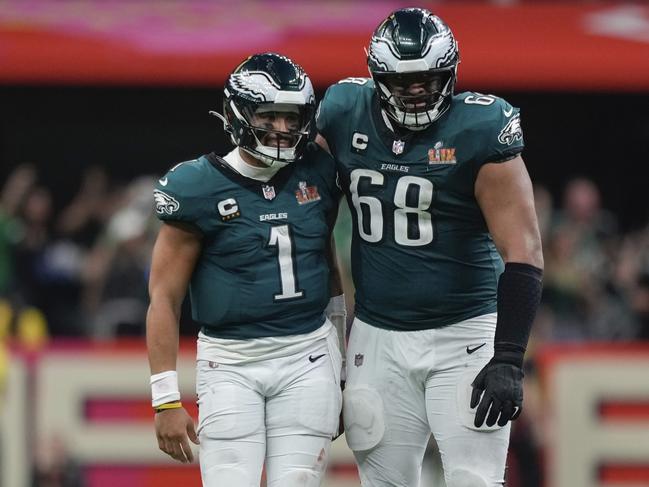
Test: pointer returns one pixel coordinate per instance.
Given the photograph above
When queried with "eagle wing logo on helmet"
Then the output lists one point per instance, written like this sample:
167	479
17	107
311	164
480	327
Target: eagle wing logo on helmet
165	204
512	131
451	49
256	84
384	54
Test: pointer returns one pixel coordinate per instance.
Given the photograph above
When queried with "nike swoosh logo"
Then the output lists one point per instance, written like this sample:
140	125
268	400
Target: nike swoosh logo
163	181
470	350
313	359
508	113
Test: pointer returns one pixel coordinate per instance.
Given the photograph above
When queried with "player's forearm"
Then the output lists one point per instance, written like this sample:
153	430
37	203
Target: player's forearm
519	295
525	248
335	282
162	335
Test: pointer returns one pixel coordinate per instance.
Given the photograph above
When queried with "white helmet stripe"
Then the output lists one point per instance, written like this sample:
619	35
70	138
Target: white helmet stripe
412	66
291	97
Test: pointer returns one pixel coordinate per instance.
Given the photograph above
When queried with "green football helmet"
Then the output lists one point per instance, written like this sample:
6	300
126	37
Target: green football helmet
413	59
260	87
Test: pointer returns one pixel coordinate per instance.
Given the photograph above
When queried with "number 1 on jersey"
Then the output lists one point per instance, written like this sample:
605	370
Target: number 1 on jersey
280	236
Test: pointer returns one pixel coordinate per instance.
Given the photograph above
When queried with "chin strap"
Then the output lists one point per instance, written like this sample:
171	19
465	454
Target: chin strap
270	162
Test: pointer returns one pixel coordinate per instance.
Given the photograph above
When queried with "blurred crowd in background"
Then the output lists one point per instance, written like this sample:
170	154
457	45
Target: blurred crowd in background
82	271
77	272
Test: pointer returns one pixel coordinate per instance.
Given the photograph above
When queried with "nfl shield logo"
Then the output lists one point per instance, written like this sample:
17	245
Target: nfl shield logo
269	191
358	359
397	146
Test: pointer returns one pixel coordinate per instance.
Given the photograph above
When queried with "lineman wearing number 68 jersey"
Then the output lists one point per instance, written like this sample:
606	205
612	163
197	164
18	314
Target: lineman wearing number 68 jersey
249	233
440	198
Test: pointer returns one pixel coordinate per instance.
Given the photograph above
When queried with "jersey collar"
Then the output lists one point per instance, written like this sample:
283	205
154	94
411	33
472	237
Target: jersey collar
279	180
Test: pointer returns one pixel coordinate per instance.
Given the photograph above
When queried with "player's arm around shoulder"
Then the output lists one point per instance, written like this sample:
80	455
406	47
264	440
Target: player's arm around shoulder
175	254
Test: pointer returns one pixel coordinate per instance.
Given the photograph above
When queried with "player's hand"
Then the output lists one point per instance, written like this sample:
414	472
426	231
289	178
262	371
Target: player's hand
501	387
173	427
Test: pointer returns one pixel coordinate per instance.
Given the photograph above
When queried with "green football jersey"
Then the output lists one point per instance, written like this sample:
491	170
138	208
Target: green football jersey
263	270
422	256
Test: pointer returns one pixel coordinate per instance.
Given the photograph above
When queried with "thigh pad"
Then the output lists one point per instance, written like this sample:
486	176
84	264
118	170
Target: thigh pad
364	417
228	409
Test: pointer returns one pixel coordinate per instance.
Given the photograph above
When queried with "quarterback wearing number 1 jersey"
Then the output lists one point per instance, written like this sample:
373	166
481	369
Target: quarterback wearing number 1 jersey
445	258
249	234
264	244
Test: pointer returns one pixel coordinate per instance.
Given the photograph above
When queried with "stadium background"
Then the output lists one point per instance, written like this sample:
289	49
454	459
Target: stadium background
99	98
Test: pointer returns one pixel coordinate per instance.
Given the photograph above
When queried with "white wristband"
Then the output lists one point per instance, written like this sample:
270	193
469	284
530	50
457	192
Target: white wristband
164	388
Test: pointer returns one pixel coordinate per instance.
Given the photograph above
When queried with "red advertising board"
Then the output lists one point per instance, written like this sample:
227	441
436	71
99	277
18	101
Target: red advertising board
597	414
522	46
90	403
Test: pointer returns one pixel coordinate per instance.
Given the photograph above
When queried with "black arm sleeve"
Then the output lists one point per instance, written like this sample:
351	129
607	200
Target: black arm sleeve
519	294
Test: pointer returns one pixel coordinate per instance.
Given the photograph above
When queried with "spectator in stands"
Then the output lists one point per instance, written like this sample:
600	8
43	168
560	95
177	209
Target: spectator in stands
578	263
117	269
13	193
84	218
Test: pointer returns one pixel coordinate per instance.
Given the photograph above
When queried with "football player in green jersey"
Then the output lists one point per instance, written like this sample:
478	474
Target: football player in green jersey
250	234
446	258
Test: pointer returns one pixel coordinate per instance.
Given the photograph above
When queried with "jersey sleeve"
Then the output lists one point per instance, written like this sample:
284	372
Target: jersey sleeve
178	196
334	109
326	113
503	137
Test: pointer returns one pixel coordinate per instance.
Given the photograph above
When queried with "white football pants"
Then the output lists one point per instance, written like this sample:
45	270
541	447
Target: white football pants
283	410
401	386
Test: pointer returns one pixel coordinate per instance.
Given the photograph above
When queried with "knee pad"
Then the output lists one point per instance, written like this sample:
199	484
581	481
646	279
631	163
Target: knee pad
299	478
364	418
465	478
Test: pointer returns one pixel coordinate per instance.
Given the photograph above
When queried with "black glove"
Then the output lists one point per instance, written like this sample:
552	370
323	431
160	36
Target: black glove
502	384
